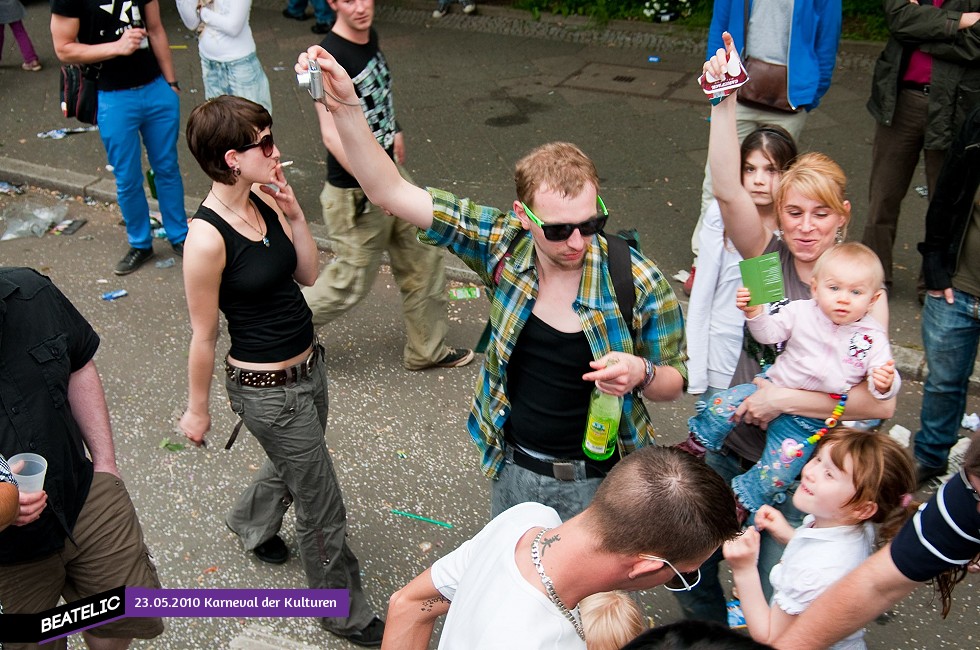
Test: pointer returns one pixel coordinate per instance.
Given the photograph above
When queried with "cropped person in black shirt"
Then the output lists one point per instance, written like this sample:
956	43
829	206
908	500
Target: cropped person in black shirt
246	251
79	535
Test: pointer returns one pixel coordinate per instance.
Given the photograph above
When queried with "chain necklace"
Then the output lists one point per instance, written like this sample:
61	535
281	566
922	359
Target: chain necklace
549	586
265	240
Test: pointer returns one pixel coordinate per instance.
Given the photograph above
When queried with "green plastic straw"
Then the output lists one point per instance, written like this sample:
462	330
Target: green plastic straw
421	518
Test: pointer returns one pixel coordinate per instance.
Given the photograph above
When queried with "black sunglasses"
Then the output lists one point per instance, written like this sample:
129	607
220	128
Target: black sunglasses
562	231
267	144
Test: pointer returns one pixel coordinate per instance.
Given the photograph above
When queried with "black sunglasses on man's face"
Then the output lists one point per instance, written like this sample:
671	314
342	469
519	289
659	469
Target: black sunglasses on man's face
562	231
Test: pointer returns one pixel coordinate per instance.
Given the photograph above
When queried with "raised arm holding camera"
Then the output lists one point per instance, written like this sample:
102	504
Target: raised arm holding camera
555	319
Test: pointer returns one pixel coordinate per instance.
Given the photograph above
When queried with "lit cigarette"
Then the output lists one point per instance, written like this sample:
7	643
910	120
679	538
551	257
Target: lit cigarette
287	163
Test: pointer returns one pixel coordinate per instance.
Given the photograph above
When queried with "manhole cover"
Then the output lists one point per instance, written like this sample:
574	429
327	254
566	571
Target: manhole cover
623	79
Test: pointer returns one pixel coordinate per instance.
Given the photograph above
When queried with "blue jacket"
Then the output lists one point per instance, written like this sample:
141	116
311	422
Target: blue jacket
812	44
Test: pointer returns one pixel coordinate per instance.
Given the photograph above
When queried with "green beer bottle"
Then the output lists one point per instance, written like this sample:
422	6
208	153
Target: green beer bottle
151	181
602	426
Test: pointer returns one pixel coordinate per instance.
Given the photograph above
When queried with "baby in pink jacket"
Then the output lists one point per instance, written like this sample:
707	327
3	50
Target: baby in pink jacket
831	343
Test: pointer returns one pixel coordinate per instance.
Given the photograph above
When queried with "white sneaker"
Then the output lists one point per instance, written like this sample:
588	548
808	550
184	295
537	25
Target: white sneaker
469	8
441	11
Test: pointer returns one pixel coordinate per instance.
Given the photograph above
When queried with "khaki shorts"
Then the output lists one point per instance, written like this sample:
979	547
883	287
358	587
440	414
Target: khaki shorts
110	553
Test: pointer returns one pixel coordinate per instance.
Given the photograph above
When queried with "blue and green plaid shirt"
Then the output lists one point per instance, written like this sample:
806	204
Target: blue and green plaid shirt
480	236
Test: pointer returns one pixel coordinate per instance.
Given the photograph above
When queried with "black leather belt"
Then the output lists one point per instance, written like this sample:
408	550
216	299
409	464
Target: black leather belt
911	85
563	470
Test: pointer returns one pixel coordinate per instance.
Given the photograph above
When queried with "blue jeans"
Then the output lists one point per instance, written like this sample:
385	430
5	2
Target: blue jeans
706	601
153	113
515	485
768	480
243	77
321	10
705	398
950	334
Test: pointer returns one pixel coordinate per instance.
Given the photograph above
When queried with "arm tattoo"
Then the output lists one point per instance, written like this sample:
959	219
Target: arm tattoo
432	602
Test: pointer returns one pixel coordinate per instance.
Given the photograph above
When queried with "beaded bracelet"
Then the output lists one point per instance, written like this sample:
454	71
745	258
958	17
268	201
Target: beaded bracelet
829	423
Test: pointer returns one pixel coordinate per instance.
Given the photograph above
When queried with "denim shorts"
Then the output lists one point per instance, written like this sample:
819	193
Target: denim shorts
242	77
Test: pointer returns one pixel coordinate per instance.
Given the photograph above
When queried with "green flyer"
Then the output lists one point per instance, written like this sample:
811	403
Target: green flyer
763	277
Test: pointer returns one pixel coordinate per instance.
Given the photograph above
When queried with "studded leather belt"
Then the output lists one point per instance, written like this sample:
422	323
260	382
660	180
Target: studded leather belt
271	378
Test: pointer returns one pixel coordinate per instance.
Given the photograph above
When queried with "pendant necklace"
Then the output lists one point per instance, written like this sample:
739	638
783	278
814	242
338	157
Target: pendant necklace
265	240
549	586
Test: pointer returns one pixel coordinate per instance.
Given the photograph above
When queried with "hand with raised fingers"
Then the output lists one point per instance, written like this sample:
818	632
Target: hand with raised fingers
724	62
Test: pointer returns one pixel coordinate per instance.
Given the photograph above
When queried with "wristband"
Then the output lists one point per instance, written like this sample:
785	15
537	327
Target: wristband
650	373
174	84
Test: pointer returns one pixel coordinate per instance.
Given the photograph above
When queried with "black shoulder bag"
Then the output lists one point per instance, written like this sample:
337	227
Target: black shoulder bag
79	96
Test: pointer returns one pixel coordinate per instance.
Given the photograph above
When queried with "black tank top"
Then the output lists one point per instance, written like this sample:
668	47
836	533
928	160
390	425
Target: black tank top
268	319
549	401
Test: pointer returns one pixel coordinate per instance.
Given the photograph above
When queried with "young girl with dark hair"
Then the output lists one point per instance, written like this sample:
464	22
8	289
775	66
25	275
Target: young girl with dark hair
714	323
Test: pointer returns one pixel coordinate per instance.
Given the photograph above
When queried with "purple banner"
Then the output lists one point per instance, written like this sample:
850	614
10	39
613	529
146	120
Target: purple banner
237	603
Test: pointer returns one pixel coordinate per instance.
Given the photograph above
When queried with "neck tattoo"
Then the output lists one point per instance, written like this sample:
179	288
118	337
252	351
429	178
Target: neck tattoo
548	541
265	240
549	586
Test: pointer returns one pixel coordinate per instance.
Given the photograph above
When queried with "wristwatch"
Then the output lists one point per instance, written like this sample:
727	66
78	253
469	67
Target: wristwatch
174	84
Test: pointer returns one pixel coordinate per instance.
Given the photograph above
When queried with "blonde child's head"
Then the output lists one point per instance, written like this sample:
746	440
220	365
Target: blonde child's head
847	281
856	476
611	619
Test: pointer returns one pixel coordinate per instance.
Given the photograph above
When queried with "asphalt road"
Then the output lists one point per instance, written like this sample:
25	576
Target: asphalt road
398	441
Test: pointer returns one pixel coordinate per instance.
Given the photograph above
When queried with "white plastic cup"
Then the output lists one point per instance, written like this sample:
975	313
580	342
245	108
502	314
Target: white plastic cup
30	477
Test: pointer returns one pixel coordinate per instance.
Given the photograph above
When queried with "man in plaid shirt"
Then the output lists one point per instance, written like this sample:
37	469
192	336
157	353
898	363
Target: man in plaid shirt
557	329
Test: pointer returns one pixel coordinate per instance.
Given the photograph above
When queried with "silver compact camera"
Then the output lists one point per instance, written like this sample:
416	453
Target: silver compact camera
312	80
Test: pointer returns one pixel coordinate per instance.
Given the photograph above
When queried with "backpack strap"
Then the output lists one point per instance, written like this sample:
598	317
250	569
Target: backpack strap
621	272
481	344
499	269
